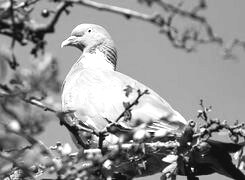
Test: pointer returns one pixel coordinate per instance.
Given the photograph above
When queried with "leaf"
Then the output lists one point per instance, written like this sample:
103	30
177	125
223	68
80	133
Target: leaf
236	155
242	166
242	162
128	90
169	170
126	105
127	115
170	158
66	149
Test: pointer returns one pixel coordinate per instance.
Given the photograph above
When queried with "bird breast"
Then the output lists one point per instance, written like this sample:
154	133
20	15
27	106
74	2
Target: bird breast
97	94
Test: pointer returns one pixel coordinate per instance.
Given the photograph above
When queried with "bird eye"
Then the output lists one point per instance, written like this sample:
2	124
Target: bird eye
89	30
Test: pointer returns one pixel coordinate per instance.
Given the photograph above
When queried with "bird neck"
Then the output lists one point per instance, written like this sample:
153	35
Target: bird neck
108	50
94	60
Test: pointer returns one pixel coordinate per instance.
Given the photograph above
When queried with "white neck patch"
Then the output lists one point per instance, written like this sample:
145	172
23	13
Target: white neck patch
96	60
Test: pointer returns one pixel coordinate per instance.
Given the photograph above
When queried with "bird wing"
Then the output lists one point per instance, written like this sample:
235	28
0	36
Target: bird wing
97	95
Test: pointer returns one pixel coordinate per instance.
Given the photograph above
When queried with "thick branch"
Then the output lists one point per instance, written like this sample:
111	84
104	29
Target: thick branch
149	147
128	13
167	27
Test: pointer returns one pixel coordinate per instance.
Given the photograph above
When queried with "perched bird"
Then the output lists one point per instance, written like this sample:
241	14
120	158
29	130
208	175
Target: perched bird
95	92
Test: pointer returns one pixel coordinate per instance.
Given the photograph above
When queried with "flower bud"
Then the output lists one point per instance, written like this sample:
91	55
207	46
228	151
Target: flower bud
66	149
45	13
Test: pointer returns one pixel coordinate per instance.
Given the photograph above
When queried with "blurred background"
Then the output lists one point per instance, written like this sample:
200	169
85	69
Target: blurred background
179	77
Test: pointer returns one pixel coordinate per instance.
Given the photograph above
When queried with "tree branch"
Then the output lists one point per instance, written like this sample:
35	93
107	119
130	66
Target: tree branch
50	26
128	13
128	106
167	27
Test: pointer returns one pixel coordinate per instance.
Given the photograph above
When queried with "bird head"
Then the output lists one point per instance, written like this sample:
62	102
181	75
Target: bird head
89	37
85	36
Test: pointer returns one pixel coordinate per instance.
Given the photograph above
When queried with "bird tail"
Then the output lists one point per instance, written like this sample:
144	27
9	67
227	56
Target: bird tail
228	147
218	159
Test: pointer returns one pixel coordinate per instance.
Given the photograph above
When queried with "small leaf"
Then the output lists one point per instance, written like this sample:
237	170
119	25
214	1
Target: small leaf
170	158
107	164
170	169
128	90
126	105
66	149
242	166
236	155
127	115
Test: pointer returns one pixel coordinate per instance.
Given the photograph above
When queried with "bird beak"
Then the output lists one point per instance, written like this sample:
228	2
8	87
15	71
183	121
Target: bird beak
69	41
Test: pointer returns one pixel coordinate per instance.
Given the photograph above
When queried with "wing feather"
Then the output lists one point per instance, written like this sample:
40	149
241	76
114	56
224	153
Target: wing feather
96	95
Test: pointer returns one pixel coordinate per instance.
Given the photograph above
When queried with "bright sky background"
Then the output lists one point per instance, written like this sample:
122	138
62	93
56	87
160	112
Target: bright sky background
180	78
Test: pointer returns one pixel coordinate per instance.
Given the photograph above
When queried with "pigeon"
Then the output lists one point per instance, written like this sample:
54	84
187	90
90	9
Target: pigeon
96	94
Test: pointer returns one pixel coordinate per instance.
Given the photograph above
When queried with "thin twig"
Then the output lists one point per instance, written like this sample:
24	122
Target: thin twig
130	105
39	104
